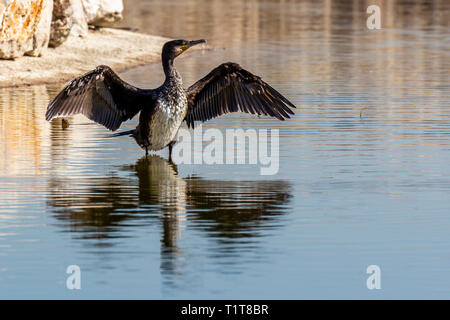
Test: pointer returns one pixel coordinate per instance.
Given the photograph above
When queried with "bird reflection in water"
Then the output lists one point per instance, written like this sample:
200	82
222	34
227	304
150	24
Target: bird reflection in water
231	212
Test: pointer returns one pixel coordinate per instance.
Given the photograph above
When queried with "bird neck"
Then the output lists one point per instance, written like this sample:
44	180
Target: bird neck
168	67
170	71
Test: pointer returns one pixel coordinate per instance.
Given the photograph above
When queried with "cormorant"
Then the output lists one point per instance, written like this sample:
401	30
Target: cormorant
103	97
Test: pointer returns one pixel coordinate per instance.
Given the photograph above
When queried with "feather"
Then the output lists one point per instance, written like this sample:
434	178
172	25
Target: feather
101	96
229	88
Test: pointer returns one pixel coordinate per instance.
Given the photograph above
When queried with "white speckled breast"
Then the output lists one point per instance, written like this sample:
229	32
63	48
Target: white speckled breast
165	122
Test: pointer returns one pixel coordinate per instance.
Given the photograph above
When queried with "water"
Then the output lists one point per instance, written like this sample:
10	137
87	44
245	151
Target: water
363	179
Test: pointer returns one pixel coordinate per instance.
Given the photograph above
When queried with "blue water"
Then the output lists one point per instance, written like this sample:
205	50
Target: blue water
363	176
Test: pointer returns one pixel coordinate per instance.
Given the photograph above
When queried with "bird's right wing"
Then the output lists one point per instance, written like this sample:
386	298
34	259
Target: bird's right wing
101	96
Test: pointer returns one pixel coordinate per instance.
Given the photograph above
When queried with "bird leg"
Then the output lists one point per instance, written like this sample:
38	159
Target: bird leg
146	151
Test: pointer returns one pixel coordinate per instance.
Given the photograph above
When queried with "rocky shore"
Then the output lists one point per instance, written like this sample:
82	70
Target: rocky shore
117	48
49	41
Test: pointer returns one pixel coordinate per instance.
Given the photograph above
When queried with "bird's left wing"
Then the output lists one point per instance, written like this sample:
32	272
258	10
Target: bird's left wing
101	96
229	88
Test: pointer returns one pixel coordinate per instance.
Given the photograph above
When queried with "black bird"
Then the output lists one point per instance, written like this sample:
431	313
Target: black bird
106	99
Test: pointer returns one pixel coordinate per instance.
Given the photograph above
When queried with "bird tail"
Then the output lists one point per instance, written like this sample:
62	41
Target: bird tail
123	133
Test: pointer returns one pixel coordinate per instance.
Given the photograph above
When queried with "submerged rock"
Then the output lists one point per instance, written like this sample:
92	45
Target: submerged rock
25	28
61	24
103	13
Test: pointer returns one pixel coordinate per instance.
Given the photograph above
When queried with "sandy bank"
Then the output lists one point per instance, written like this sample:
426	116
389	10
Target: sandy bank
114	47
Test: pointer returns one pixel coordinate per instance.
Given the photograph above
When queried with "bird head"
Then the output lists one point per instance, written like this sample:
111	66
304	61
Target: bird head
174	48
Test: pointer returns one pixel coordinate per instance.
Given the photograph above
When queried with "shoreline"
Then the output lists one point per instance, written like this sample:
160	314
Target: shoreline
119	49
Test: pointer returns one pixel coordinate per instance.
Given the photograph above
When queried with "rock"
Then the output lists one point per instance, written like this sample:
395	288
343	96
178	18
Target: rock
2	8
25	28
78	19
103	13
61	24
17	26
41	36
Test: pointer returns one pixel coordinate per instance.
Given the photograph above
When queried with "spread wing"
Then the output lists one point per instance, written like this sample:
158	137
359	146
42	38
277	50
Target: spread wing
229	88
101	96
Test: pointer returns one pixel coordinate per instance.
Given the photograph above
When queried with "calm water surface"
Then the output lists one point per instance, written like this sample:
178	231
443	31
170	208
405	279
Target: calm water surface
364	167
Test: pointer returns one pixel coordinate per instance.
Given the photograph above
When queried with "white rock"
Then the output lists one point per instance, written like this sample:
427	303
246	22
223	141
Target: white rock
78	21
103	13
11	49
41	36
25	28
2	8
